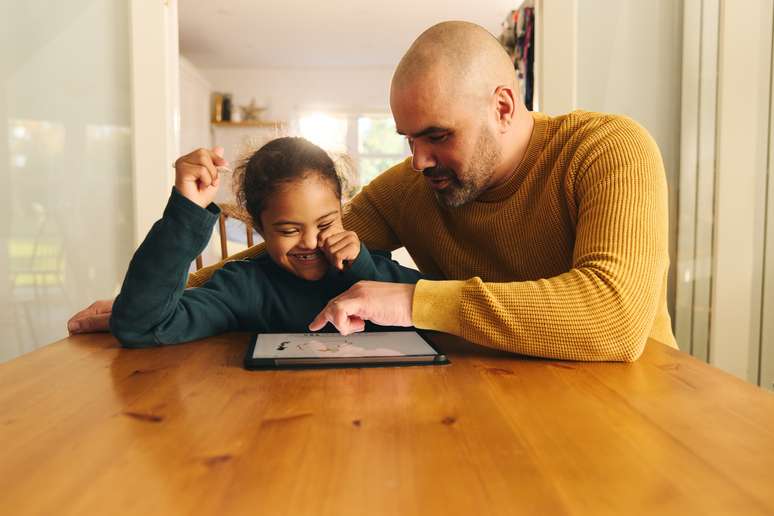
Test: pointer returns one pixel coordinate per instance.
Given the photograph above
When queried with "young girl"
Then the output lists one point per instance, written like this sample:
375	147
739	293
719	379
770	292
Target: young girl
293	194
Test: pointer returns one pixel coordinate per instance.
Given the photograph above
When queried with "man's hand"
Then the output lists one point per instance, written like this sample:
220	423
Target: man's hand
196	175
386	304
94	318
339	246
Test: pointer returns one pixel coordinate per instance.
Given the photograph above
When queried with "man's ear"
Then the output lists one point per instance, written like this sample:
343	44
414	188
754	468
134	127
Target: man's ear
505	106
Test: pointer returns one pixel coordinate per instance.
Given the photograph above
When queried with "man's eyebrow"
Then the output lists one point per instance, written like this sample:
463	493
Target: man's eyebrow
426	131
294	223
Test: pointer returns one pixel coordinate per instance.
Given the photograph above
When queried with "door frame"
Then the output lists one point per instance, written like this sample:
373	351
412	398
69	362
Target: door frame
155	100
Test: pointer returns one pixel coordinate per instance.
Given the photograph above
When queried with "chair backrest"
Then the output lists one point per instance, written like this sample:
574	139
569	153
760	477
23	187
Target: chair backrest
235	212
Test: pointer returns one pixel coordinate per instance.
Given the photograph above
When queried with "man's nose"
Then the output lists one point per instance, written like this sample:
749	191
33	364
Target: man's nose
422	157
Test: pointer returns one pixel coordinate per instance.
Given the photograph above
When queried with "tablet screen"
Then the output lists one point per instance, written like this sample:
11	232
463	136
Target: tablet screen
334	345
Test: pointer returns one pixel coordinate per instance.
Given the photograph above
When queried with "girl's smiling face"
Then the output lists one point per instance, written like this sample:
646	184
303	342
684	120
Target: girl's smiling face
295	214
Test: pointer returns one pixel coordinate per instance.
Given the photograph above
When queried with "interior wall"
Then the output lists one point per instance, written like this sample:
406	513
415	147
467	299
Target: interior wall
286	90
195	92
630	62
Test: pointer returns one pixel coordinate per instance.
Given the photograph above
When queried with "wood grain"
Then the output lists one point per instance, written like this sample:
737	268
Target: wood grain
89	428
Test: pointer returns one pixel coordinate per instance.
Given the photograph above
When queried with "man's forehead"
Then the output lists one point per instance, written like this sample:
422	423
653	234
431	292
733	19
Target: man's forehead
420	122
418	127
414	115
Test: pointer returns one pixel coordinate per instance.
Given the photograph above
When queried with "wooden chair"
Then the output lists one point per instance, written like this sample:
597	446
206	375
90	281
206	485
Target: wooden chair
235	212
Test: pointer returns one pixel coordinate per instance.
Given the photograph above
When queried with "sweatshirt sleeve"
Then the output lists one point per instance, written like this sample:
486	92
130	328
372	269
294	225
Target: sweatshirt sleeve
378	266
603	307
154	308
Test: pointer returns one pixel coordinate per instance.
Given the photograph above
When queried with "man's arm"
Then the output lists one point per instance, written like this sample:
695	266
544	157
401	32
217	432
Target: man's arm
93	318
601	309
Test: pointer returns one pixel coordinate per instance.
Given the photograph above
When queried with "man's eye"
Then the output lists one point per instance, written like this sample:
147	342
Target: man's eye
438	138
326	225
288	232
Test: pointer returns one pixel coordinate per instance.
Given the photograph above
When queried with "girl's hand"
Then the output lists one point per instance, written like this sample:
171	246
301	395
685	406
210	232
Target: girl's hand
339	246
196	175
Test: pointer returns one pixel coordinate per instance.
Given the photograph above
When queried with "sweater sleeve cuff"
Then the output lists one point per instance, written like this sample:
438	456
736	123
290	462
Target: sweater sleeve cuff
362	268
186	212
437	305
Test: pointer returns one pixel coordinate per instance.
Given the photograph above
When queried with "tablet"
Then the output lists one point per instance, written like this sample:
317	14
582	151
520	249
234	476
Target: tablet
366	349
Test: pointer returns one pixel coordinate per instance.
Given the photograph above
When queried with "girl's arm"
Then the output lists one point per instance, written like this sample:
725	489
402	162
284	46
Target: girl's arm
344	250
379	266
154	308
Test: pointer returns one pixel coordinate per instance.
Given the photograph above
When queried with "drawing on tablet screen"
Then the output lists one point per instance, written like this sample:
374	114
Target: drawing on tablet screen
341	347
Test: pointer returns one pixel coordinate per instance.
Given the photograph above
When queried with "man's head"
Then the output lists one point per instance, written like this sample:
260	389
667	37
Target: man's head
453	96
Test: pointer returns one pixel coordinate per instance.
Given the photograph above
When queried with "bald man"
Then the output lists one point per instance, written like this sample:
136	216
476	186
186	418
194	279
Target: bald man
550	232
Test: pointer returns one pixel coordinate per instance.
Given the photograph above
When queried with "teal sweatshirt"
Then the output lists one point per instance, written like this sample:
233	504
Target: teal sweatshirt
154	308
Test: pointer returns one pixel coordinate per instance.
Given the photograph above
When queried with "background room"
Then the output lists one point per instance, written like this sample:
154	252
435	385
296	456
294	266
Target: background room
86	157
323	75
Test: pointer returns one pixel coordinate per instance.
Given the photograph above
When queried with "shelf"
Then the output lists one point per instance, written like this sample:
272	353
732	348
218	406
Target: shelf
250	123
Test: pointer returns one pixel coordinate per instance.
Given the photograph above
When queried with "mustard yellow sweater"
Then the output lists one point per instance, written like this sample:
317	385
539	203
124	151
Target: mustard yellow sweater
568	259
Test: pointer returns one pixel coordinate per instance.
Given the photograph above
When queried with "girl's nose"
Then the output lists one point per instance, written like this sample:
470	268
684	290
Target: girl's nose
309	239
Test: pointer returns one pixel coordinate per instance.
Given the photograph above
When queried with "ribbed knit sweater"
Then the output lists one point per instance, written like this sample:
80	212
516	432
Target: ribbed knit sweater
567	259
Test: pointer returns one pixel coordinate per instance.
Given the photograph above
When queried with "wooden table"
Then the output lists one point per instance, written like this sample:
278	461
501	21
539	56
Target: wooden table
89	428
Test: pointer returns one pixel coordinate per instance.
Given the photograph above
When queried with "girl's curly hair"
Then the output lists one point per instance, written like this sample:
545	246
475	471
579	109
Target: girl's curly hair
280	161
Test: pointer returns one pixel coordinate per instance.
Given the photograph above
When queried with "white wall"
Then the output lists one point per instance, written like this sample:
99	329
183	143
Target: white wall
629	62
286	90
195	92
556	56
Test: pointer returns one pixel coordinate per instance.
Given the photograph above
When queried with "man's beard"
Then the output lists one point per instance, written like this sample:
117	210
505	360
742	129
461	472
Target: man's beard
486	156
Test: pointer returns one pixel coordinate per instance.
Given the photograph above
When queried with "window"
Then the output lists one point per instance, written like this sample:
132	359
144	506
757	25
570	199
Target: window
369	139
327	131
379	146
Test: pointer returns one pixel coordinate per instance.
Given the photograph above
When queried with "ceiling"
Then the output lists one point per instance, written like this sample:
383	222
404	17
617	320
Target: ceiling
317	34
